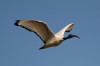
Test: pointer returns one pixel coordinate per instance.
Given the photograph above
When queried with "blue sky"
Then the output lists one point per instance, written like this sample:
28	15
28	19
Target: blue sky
18	47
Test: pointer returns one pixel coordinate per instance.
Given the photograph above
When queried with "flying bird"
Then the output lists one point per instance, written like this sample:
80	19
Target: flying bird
41	29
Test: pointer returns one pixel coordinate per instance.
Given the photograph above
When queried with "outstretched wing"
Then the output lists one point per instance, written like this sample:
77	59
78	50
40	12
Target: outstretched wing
68	28
38	27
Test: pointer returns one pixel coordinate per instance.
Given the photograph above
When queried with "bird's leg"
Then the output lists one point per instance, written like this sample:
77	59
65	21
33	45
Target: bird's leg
43	47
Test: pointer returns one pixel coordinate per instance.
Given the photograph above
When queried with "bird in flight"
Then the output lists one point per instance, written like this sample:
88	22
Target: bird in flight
41	29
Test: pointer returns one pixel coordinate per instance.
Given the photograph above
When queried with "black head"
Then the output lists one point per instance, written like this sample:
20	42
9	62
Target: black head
71	36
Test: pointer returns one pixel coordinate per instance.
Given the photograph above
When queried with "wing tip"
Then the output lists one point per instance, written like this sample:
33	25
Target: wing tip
16	23
72	23
69	28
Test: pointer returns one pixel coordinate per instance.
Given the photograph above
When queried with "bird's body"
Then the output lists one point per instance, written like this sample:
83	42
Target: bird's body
54	41
46	35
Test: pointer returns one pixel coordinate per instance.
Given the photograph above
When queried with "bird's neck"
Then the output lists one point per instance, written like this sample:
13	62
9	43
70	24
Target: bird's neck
68	37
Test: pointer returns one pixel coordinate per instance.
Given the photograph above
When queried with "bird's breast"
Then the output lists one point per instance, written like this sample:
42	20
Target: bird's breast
54	41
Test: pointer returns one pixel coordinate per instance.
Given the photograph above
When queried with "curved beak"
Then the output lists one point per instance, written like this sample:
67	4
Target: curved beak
76	36
71	36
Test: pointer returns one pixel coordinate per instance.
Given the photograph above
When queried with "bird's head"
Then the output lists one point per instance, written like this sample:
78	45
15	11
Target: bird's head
71	36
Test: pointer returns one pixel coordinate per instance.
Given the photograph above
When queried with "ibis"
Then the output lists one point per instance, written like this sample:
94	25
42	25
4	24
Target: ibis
41	29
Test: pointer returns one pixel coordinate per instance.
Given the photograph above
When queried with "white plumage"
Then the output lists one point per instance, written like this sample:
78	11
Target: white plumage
46	35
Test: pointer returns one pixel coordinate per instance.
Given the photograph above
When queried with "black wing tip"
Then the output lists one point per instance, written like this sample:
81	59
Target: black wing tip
16	23
68	30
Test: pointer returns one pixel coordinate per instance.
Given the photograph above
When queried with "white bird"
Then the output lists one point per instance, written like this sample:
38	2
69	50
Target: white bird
46	35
